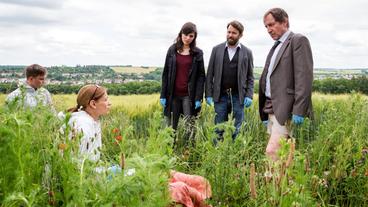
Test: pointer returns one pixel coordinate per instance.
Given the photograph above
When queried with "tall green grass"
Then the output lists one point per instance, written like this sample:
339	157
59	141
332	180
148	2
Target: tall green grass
329	165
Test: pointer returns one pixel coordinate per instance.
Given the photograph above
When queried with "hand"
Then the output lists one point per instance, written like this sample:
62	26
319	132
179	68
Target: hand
247	102
197	105
265	123
163	102
61	116
209	101
112	171
297	119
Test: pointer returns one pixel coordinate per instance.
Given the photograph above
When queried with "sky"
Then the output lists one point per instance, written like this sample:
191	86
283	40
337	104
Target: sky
139	32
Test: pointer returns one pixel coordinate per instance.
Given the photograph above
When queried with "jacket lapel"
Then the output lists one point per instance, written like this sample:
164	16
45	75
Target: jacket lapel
282	50
174	69
221	58
194	59
241	57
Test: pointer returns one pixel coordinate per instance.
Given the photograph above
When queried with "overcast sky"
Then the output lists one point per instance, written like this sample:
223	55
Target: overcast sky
138	32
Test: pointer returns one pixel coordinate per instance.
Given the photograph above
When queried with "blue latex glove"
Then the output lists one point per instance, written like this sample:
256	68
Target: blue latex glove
265	123
297	119
197	105
209	101
163	102
247	102
112	171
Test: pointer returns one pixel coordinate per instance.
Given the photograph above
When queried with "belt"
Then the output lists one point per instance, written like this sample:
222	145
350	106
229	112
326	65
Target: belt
229	91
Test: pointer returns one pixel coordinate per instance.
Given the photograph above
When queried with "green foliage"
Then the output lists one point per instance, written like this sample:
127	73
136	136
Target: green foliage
338	86
329	164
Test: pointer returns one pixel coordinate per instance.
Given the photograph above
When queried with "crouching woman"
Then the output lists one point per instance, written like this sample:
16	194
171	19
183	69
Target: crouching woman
92	103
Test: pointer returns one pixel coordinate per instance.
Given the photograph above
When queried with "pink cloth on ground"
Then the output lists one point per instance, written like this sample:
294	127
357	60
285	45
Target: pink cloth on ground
189	190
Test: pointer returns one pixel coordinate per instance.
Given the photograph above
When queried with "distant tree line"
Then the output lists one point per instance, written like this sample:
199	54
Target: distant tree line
82	72
334	86
144	87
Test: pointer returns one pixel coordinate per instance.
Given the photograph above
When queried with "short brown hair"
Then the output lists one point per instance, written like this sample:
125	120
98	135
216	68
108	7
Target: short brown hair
237	25
279	15
35	70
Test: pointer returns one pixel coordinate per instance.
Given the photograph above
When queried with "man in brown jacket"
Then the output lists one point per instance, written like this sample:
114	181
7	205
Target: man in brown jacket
285	87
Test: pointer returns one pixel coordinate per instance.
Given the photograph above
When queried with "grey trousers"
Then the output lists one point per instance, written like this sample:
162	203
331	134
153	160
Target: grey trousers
180	104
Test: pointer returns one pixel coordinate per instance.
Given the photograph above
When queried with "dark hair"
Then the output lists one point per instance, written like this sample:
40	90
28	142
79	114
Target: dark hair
86	94
279	15
237	25
187	28
35	70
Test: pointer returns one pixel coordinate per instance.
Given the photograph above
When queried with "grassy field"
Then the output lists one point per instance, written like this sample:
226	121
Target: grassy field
338	71
63	102
137	70
327	165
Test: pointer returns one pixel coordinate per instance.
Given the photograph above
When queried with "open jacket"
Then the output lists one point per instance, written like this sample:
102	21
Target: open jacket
195	81
244	77
291	80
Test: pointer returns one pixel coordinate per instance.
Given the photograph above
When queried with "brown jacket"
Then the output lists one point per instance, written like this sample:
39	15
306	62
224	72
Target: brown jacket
291	80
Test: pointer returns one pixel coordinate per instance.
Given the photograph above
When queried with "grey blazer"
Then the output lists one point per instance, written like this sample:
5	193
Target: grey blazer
291	80
215	69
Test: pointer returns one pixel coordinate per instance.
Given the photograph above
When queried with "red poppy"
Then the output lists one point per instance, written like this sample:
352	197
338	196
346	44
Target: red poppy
115	130
119	138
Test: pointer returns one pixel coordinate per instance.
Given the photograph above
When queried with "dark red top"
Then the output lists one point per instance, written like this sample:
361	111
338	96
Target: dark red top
183	64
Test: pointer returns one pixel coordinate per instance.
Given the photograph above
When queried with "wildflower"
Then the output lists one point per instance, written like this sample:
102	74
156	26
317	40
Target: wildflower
63	146
115	130
323	182
118	138
268	176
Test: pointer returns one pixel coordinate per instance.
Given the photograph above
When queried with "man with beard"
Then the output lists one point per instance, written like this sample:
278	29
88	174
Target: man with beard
229	82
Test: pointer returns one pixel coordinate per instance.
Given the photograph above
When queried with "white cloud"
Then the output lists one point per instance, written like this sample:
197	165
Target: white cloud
47	4
139	32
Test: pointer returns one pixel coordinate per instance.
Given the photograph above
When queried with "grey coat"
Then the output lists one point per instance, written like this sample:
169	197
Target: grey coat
244	77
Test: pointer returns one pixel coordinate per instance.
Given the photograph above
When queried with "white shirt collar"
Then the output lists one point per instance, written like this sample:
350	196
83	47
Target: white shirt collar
238	45
284	36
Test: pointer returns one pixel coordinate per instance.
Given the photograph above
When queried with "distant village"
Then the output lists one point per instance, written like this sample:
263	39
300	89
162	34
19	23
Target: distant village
79	75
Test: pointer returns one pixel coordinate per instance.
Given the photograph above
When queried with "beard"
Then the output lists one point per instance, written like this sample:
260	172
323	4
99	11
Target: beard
231	41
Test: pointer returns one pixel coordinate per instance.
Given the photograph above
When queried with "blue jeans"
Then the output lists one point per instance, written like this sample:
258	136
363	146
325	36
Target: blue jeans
223	108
